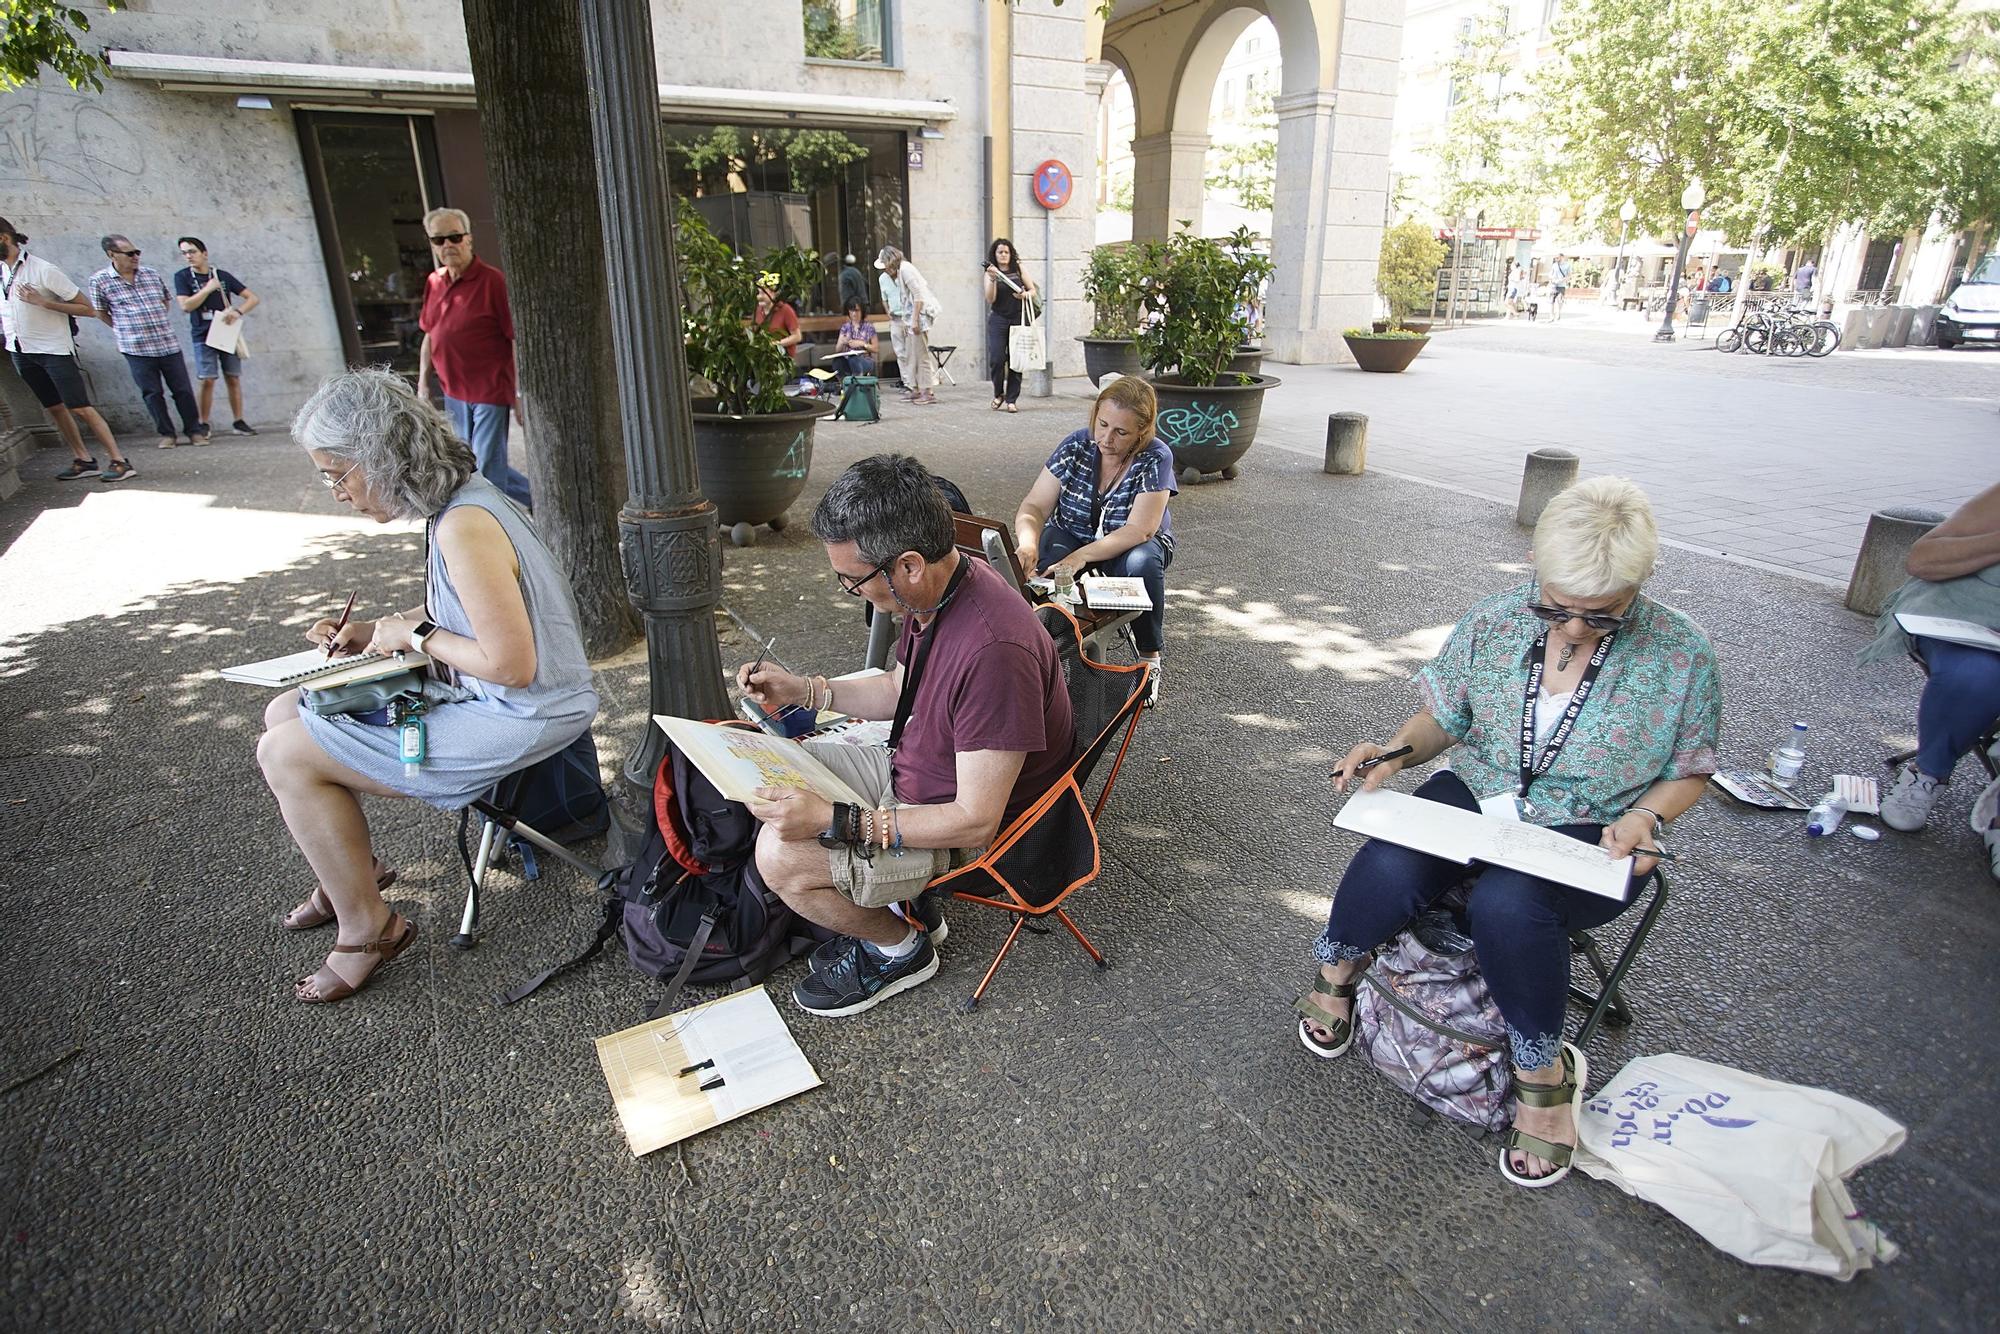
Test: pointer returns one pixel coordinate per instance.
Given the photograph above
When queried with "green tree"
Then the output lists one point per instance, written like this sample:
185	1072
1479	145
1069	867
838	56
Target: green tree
44	34
1483	156
1248	169
1406	272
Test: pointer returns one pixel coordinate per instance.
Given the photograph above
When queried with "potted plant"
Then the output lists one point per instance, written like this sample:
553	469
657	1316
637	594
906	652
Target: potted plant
752	443
1406	274
1108	284
1194	291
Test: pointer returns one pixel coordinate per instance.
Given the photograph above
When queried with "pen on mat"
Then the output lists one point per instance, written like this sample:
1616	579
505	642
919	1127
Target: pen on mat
698	1065
340	624
1367	764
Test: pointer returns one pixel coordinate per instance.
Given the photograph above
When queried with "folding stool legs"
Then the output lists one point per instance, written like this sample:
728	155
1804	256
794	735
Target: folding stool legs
1082	939
1020	920
489	837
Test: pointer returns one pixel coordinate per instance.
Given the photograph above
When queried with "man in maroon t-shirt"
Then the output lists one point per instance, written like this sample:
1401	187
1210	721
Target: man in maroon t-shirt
989	730
469	341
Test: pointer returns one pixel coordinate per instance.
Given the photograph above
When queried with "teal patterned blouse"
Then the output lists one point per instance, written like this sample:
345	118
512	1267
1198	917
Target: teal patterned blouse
1655	713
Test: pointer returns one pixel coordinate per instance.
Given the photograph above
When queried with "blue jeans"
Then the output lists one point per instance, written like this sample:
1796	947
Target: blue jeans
150	373
1519	924
484	427
1960	701
1147	561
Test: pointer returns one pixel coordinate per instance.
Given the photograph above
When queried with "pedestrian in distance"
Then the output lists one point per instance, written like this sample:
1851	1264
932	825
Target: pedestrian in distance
38	309
857	334
1517	290
1558	285
468	342
899	325
1007	288
208	294
133	300
853	287
1802	280
921	309
776	317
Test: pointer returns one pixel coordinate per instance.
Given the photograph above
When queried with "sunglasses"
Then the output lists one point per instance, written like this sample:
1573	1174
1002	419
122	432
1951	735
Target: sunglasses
449	238
853	587
1559	615
129	254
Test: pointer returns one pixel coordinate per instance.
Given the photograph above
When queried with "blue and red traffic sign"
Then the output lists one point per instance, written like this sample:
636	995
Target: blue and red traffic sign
1052	184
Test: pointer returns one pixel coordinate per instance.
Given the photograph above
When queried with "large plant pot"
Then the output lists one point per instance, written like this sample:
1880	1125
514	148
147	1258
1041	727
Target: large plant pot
1386	355
1209	428
1106	356
753	467
1249	360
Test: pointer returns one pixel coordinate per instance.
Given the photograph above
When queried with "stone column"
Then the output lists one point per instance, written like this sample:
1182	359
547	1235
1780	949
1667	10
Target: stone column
1166	183
1055	116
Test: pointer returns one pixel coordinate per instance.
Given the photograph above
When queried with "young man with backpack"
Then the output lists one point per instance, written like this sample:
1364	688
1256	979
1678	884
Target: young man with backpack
982	728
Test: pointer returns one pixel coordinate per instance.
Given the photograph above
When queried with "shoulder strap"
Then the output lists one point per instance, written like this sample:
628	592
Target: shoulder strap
688	962
610	924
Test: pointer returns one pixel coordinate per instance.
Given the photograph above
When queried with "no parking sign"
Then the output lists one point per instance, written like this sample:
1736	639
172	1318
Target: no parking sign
1052	184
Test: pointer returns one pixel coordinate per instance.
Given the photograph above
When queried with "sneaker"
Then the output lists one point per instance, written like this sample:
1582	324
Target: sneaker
861	979
929	914
200	437
1153	682
242	427
78	470
1992	837
118	470
1907	805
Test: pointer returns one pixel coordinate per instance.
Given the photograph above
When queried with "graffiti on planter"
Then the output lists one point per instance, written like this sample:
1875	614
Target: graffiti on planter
67	142
796	458
1195	425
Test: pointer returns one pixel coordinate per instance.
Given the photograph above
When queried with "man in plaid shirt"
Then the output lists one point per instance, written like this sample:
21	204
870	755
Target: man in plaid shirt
132	298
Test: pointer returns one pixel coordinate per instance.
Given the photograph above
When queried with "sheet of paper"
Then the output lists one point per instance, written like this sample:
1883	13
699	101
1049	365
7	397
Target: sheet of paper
739	761
750	1051
1469	836
1943	627
226	336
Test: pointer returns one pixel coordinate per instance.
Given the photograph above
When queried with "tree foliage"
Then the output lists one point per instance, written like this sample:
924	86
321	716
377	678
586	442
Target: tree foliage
1406	272
1249	169
1485	163
1192	290
45	34
743	361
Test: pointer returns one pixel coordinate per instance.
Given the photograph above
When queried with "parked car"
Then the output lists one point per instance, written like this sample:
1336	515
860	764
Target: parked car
1972	313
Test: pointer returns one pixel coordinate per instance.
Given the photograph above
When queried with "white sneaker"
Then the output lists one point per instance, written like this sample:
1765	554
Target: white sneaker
1908	804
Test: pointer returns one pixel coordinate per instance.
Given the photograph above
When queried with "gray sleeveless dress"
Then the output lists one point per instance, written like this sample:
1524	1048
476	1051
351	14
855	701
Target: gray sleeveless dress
478	732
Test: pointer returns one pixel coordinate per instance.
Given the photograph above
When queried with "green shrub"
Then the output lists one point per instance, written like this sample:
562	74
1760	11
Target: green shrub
1406	272
719	288
1190	288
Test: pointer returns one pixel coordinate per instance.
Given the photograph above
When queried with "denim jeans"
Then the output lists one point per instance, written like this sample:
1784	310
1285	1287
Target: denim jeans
1519	924
484	426
1148	561
1960	701
150	374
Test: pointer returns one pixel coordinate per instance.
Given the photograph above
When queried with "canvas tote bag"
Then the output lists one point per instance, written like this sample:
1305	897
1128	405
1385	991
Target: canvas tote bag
1026	350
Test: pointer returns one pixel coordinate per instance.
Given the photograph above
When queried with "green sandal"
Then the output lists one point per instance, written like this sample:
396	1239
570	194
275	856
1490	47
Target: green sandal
1568	1091
1342	1029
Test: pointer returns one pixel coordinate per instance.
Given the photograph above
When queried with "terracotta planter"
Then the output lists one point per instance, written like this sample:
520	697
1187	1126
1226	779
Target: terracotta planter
1386	355
1104	356
753	467
1209	428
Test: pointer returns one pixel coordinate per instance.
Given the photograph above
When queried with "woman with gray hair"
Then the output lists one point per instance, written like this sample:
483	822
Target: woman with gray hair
509	682
1623	702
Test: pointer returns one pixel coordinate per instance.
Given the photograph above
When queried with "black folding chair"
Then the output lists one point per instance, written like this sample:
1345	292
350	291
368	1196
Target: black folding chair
1606	1005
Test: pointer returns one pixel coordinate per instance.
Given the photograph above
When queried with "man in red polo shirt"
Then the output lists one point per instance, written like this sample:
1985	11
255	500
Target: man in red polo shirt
469	341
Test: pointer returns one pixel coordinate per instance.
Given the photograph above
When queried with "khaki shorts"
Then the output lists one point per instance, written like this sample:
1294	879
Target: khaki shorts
887	877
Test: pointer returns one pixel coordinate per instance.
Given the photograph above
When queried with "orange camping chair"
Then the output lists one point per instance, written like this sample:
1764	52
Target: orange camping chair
1050	850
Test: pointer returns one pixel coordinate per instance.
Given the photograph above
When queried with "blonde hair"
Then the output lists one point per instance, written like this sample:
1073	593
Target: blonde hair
1136	397
431	219
1597	539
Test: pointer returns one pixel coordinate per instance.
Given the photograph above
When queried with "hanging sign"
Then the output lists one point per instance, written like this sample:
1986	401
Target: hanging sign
1052	184
915	158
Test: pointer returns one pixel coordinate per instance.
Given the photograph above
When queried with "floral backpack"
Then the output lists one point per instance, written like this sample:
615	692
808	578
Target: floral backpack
1425	1020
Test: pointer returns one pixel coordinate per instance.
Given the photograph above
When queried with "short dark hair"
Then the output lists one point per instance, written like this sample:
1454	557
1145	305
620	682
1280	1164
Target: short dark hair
110	242
7	229
886	504
861	306
194	241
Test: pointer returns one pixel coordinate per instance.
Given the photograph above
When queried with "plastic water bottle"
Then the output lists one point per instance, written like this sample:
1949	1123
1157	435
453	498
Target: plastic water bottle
1825	817
1790	756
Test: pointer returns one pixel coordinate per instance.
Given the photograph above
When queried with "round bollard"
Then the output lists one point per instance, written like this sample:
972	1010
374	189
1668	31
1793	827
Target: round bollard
1879	569
1548	473
1346	444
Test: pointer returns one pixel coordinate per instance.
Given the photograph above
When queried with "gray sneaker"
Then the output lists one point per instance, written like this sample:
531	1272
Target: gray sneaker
929	915
1907	805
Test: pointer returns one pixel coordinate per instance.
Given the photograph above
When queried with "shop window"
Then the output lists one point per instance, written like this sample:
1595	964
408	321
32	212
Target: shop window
848	30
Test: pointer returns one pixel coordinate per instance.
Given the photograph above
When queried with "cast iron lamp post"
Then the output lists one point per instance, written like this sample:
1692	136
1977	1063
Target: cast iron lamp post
1626	212
1692	199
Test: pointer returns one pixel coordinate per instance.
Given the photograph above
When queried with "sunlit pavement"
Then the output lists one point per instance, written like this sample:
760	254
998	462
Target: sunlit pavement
1140	1147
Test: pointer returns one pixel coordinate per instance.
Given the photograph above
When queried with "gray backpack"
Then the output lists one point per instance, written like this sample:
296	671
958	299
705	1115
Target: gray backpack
1425	1020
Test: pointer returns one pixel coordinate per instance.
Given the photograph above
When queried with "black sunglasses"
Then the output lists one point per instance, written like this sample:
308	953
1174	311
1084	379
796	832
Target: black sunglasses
129	254
1558	615
853	587
449	238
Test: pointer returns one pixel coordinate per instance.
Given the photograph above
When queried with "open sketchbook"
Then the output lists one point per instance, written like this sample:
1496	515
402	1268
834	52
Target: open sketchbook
683	1073
1944	627
1115	593
1469	836
311	667
739	761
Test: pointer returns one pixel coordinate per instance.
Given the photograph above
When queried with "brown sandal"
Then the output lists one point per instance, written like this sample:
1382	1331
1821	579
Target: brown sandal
329	986
317	910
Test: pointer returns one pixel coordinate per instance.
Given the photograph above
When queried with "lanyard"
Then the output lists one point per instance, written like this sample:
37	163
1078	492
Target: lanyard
906	698
1533	767
1100	499
7	293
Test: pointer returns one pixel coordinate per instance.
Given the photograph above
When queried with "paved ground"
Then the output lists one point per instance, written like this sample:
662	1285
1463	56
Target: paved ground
1137	1148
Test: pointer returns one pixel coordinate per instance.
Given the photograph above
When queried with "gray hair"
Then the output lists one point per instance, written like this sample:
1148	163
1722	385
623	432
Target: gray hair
1597	539
402	444
886	256
886	504
114	242
432	217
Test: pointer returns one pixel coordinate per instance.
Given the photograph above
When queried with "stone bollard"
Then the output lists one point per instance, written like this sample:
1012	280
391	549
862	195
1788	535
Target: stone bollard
1923	327
1899	326
1879	568
1876	329
1853	328
1548	473
1346	444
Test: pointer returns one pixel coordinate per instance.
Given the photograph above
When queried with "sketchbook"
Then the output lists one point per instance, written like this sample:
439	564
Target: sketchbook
1111	593
683	1073
311	667
1944	627
1468	836
739	761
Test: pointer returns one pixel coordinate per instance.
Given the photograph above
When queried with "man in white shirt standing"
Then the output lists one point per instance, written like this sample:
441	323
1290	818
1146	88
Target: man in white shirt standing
919	374
36	302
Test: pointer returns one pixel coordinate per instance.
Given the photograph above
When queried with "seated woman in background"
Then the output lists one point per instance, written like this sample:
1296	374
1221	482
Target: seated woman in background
857	335
510	682
1625	704
1955	574
1101	502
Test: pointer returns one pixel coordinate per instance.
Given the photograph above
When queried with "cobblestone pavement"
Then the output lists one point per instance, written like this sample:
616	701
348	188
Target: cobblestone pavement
1778	462
1140	1148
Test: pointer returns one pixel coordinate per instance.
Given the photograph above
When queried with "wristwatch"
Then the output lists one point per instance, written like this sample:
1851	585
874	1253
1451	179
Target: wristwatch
840	831
424	630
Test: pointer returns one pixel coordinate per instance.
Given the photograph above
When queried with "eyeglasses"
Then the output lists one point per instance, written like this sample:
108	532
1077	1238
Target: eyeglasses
337	483
449	238
1558	615
853	587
